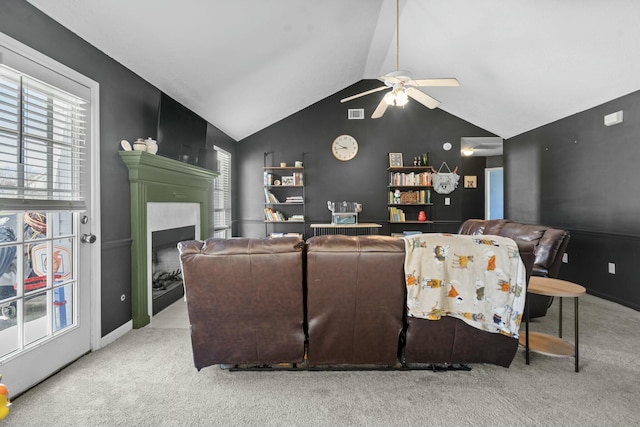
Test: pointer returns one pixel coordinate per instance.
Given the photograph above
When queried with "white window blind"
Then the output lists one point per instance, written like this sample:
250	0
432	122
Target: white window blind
220	220
42	145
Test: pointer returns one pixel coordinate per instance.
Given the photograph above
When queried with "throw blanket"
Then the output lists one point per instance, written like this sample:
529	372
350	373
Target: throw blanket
479	279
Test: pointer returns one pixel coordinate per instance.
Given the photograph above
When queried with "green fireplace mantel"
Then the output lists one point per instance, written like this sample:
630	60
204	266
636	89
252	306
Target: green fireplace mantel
158	179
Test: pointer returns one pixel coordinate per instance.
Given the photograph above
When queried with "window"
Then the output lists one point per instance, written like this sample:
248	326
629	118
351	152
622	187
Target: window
42	139
220	220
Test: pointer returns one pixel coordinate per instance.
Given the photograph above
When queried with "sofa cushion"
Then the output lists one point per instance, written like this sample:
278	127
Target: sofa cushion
244	300
355	299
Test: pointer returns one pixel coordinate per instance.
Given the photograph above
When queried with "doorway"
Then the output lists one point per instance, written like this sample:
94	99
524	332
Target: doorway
494	193
49	266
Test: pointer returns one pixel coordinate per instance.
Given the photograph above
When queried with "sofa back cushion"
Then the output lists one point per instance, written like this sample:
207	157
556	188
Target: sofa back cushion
244	300
355	299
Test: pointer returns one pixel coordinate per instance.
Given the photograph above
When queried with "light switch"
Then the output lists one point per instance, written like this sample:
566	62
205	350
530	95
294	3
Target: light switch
447	201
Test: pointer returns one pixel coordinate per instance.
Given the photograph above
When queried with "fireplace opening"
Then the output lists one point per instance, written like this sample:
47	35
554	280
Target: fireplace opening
166	277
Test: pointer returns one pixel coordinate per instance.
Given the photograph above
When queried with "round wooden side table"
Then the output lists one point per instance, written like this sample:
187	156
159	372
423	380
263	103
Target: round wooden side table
548	344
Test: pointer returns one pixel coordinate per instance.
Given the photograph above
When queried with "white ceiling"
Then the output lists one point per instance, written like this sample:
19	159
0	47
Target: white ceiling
245	64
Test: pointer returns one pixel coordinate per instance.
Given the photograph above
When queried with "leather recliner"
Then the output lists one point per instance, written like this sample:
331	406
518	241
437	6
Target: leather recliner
245	300
549	244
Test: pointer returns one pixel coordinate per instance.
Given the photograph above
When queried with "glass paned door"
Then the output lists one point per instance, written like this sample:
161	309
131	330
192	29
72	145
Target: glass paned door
41	297
38	278
48	125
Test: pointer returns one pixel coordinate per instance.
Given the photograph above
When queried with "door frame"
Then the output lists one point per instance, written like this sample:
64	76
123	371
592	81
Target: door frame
95	316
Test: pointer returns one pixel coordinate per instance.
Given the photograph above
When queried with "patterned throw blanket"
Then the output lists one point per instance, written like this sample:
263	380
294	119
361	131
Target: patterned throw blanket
479	279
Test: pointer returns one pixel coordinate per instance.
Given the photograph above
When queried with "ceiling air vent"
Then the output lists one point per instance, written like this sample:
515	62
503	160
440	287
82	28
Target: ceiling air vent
356	113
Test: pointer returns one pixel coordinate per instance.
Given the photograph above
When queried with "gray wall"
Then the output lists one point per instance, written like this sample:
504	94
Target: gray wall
579	174
410	130
128	110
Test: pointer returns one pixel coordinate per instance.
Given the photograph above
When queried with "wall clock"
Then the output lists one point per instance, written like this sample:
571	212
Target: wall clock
344	147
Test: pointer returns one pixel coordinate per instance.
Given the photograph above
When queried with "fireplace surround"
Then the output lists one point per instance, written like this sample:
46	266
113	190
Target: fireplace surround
156	179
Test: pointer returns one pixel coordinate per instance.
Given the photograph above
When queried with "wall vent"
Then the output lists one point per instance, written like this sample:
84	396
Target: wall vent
356	114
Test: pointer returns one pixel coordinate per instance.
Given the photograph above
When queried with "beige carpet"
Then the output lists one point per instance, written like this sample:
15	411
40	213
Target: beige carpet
147	378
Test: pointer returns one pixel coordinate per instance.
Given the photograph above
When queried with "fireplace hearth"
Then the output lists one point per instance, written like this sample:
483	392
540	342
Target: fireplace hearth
166	277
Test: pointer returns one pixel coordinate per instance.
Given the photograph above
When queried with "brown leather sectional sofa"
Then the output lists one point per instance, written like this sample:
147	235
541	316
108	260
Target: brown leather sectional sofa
332	301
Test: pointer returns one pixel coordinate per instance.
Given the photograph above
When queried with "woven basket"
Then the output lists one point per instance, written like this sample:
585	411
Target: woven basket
408	197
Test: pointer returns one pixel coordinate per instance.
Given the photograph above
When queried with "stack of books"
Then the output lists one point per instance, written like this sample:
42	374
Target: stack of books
272	215
396	215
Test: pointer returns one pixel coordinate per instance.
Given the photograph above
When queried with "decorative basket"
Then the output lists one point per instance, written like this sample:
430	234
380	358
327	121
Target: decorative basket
408	197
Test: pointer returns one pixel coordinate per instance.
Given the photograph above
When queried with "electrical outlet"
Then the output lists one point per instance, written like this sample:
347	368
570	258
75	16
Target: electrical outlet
612	268
447	201
565	258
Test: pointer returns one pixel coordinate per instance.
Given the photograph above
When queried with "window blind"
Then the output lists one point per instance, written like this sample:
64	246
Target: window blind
42	145
220	219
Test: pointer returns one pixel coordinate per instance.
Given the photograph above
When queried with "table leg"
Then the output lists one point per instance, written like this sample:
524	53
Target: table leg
560	319
526	334
575	304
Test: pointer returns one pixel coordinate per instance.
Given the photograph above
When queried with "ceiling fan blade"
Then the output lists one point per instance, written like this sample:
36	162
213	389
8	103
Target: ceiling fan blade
380	109
422	98
378	89
435	82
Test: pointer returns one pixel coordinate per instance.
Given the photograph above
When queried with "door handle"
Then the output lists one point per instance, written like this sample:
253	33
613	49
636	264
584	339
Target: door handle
88	238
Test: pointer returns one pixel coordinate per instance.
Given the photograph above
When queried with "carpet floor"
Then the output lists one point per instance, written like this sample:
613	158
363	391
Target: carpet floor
147	378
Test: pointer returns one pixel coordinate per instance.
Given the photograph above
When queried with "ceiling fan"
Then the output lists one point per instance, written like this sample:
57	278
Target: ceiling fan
402	84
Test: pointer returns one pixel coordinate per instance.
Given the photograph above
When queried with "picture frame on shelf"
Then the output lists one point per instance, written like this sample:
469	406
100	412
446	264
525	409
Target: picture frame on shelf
288	180
395	160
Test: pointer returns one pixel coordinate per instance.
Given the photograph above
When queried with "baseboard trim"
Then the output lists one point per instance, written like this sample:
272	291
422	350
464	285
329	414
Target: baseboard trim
115	334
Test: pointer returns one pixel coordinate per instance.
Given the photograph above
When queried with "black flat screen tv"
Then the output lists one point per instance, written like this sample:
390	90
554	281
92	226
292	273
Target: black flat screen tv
182	134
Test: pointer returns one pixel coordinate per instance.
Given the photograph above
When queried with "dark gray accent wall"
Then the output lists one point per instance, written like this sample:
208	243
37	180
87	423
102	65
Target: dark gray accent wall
473	206
128	110
578	174
410	130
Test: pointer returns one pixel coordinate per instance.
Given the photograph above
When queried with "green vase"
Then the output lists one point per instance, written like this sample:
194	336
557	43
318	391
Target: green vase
425	159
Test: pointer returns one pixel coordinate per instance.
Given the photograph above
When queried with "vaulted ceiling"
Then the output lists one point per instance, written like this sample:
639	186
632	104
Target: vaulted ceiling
245	64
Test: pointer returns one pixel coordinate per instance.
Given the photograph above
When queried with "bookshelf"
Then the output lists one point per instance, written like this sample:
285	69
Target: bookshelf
284	198
409	194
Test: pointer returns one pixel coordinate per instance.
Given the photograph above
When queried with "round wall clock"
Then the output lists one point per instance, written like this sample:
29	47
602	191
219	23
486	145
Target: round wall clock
344	147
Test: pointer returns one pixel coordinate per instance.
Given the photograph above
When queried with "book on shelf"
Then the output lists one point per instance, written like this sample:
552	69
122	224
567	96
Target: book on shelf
269	197
275	235
296	218
396	215
272	215
294	199
410	179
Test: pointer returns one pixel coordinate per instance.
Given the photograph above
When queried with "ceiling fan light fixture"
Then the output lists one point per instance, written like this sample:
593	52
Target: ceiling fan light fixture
401	98
390	98
398	97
